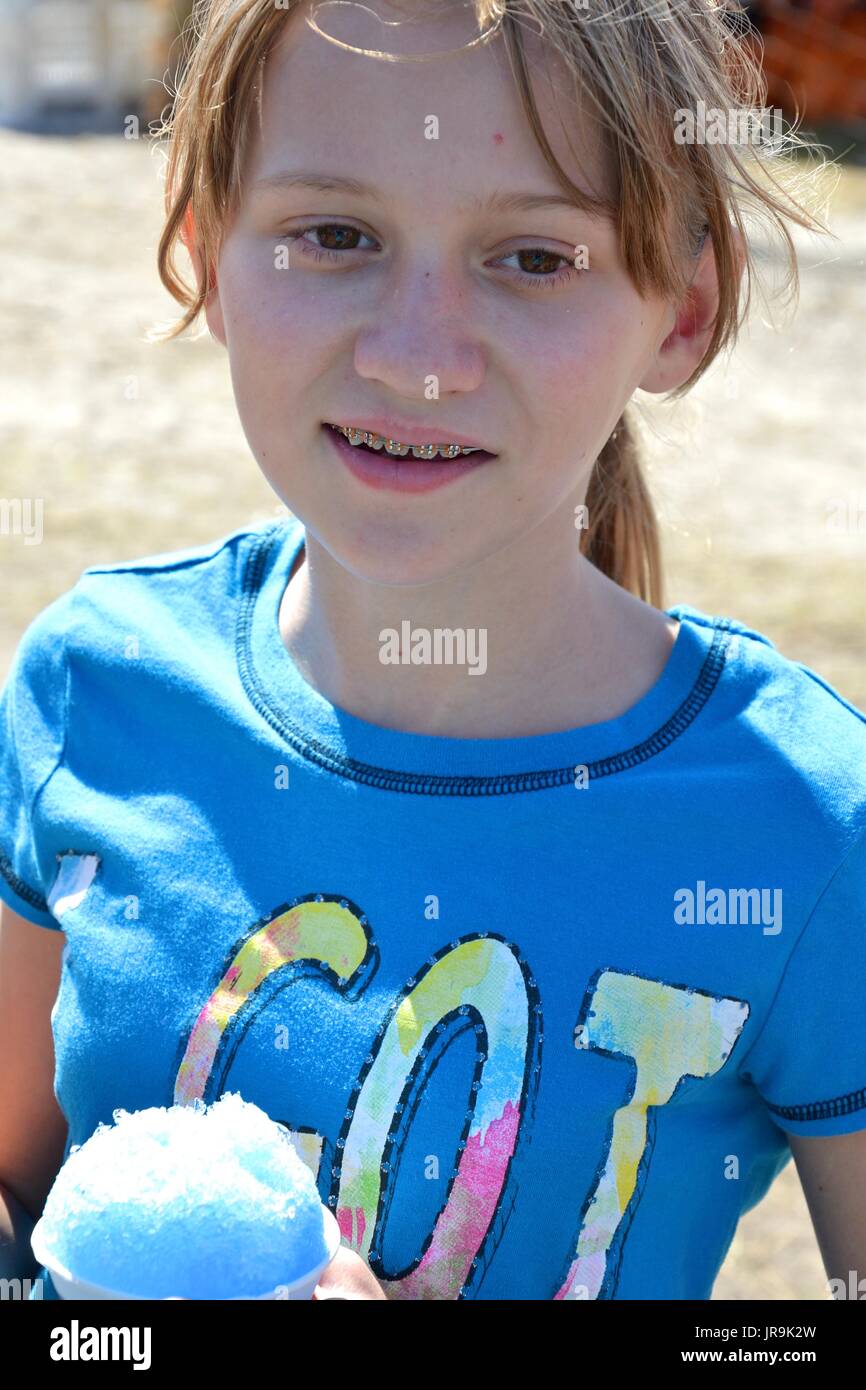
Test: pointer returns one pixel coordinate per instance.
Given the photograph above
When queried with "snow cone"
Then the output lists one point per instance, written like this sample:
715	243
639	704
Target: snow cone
189	1201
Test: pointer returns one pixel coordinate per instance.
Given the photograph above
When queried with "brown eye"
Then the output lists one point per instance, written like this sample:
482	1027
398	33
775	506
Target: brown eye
538	260
330	232
546	269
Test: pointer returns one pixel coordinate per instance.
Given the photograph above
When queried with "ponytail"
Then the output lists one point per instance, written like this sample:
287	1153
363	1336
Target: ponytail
622	538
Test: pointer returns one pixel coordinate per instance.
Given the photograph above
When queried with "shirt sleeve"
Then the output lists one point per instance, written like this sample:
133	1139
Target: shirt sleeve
33	705
809	1060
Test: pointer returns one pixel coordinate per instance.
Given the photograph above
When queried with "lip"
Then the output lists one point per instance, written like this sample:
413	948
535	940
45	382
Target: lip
407	433
407	475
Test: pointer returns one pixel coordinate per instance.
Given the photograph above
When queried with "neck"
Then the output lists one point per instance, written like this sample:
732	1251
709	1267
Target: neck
545	642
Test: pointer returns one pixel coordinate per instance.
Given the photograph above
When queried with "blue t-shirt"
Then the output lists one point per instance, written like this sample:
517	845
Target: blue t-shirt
538	1011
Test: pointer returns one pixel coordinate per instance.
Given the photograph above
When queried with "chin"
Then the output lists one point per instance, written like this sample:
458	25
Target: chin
401	555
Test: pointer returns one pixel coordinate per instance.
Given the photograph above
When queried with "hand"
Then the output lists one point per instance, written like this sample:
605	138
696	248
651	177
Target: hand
347	1276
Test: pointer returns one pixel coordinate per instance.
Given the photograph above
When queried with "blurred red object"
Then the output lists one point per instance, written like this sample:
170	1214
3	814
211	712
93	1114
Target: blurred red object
814	57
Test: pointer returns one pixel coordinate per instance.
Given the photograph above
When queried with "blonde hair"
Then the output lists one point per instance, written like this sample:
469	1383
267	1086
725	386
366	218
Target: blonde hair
640	64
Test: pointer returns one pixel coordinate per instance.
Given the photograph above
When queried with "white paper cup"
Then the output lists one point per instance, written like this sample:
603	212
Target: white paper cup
69	1287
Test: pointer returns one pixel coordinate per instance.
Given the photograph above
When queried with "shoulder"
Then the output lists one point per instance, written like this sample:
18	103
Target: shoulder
177	567
795	736
169	595
160	604
192	556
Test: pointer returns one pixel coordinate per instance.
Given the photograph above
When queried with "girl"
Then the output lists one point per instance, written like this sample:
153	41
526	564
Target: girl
534	909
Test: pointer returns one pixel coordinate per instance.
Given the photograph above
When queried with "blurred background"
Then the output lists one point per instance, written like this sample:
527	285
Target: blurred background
134	449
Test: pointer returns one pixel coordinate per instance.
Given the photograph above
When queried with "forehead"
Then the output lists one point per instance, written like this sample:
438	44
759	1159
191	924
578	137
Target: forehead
325	105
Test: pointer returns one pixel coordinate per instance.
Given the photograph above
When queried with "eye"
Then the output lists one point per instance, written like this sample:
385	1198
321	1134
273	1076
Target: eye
340	232
545	273
543	261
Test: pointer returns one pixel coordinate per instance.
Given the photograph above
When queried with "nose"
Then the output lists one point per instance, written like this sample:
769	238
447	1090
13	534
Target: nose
419	338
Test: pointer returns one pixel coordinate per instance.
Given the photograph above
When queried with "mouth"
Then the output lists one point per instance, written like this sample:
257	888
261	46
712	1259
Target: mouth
383	463
370	442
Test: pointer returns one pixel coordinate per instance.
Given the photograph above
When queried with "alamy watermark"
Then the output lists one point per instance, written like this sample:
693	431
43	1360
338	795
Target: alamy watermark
19	1289
729	907
84	1343
855	1288
715	126
22	516
438	646
847	515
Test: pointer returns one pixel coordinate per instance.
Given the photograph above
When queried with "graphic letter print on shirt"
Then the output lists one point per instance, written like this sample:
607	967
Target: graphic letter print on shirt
668	1031
476	982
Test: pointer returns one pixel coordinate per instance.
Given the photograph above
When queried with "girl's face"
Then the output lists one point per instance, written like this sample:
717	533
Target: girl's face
342	304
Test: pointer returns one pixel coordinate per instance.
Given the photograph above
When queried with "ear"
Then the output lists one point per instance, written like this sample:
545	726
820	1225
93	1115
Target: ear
213	307
687	339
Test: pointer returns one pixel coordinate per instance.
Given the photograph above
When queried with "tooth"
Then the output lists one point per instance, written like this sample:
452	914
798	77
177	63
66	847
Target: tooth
398	450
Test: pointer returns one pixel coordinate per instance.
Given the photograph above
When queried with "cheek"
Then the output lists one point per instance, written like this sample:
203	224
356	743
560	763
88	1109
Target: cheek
583	366
278	316
571	378
278	335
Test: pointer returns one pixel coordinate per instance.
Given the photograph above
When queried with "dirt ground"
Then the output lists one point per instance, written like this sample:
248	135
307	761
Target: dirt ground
136	448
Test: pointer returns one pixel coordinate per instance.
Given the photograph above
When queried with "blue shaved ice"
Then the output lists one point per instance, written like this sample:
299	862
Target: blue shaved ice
193	1201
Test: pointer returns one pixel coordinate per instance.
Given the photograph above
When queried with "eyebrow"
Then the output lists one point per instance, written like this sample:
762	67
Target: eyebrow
494	202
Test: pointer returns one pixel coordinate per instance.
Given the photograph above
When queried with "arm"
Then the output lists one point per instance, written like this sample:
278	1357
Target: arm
32	1126
832	1171
17	1260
